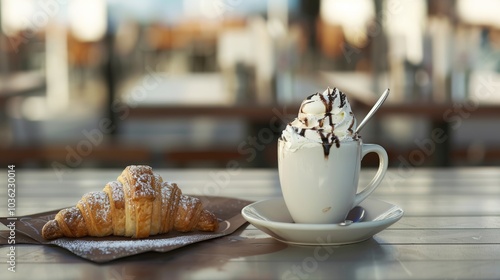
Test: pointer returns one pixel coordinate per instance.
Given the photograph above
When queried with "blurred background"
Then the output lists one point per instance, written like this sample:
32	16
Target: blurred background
210	83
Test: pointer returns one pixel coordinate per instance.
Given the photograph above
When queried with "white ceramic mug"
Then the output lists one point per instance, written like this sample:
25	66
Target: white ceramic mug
320	188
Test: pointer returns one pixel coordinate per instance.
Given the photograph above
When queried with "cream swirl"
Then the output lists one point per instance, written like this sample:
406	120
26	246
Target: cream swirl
324	118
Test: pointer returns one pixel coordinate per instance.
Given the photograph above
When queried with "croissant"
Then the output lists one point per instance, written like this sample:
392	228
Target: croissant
138	204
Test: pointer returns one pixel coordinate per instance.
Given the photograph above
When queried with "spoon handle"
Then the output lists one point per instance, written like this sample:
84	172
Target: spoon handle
374	109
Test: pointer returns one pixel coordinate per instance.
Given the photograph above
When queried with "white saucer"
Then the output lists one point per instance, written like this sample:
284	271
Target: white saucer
272	217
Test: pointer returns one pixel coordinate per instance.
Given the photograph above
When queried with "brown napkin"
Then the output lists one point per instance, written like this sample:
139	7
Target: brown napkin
103	249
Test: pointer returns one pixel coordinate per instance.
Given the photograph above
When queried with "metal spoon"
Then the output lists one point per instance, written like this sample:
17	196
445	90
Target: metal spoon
370	114
356	215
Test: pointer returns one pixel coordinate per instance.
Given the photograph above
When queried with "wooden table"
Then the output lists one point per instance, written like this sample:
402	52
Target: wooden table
450	230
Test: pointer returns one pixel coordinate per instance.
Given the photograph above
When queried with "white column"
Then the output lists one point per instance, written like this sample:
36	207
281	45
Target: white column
56	50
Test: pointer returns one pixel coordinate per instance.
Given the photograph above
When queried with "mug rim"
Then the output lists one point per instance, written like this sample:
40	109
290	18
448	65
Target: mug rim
358	140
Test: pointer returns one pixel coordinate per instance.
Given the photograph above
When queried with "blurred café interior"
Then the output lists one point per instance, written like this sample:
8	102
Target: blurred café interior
201	83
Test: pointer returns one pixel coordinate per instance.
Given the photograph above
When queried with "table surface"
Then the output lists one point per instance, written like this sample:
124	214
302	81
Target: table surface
450	230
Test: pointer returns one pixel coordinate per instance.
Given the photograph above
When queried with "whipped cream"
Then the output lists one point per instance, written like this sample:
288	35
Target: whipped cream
325	118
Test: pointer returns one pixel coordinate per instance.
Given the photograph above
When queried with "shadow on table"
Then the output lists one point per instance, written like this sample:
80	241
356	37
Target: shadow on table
349	261
189	260
330	262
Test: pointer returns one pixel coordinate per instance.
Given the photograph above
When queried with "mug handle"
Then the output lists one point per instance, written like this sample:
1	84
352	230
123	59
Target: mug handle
382	168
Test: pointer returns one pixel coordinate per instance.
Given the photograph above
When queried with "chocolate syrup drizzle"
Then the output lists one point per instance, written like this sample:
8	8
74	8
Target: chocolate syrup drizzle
327	142
342	99
328	138
350	129
302	132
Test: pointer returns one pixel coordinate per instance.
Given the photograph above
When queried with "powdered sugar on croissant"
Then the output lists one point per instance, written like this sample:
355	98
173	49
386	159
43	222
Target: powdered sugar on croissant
138	204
